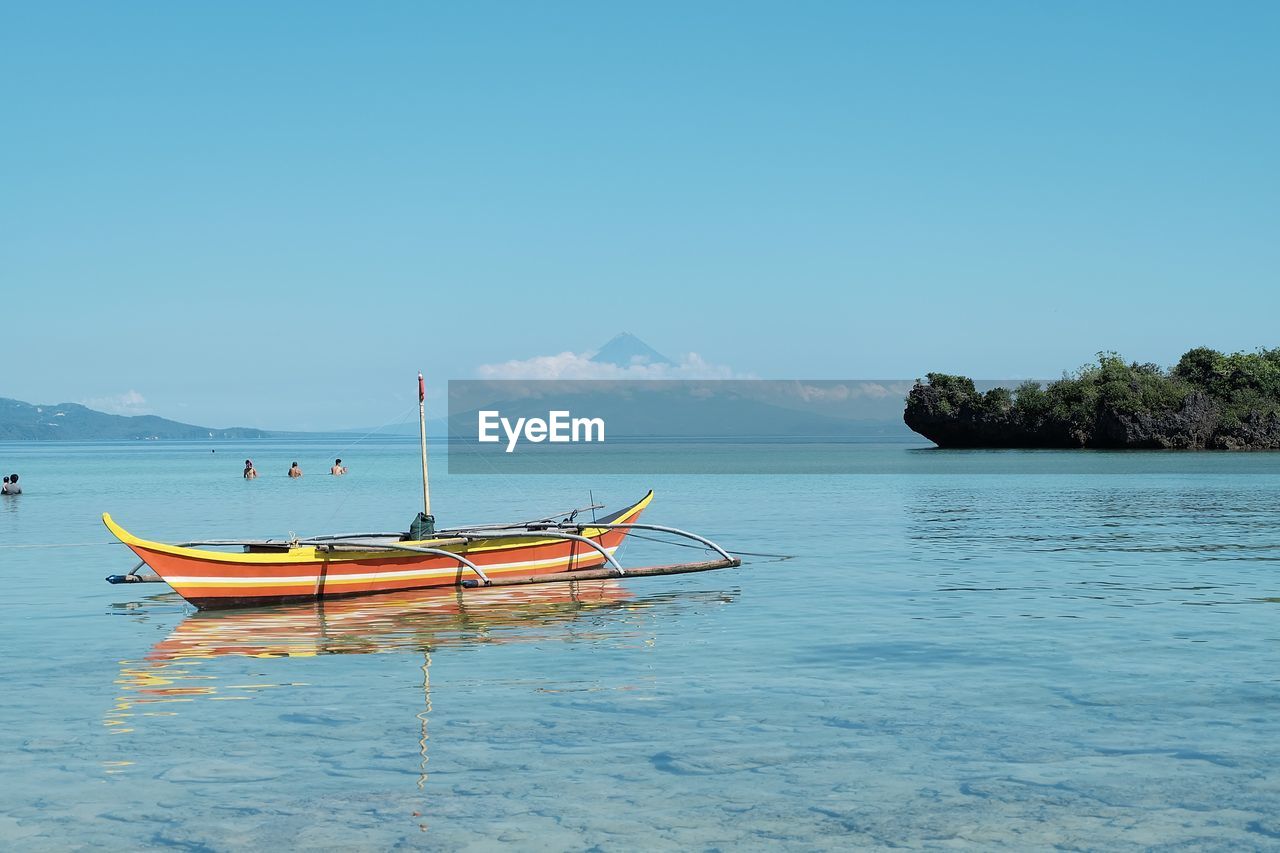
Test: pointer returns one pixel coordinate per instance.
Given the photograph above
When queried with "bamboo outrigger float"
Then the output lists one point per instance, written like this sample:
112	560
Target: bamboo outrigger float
551	549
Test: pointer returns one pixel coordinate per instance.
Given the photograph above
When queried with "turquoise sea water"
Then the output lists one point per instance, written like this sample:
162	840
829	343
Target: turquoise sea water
1081	655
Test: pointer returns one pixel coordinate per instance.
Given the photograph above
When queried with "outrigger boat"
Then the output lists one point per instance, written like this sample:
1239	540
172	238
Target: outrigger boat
274	571
267	571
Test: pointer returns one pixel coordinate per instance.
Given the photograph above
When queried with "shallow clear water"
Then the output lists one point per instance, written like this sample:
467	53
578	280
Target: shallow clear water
1079	659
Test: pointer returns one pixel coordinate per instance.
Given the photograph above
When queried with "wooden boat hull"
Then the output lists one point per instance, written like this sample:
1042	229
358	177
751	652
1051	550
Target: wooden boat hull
214	579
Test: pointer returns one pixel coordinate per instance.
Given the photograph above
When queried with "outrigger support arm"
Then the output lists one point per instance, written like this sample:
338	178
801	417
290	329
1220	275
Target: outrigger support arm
133	576
417	549
675	531
543	534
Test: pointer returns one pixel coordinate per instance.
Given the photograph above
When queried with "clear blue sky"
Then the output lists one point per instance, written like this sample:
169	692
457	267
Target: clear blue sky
275	214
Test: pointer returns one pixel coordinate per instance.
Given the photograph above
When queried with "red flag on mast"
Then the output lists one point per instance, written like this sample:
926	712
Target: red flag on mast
422	389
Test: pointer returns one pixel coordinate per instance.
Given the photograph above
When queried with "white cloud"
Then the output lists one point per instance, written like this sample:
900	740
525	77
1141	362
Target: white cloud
128	403
822	394
570	365
839	393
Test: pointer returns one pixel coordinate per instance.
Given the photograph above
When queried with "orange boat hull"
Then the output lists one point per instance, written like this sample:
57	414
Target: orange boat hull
212	579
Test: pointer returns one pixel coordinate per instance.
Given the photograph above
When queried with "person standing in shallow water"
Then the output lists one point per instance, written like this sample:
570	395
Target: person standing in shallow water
11	486
338	468
250	473
294	471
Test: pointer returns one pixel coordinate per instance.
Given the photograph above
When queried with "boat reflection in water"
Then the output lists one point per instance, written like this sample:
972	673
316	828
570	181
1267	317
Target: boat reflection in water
417	622
421	620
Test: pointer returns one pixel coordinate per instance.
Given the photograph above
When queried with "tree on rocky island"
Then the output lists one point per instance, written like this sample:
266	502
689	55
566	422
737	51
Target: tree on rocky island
1208	400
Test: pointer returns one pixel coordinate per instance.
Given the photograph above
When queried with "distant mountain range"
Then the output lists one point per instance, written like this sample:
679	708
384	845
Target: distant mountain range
21	421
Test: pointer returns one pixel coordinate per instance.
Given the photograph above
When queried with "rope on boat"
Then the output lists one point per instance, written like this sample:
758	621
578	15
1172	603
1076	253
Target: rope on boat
59	544
399	419
633	535
404	416
762	562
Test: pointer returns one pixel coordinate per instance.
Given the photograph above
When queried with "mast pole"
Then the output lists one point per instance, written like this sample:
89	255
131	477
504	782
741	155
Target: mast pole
422	434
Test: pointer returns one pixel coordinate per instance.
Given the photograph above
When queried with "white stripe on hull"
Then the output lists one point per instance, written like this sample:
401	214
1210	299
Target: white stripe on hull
404	574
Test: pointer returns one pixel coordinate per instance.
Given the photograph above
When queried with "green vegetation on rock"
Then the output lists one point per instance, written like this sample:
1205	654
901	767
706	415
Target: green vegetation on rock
1208	400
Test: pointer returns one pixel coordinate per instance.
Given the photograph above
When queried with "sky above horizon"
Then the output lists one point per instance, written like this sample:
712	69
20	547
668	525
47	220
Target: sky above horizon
275	215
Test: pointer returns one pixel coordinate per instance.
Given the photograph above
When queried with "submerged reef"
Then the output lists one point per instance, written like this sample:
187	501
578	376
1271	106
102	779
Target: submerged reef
1208	401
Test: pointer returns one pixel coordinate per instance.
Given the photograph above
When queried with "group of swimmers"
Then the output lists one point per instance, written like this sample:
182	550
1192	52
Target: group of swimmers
11	486
251	473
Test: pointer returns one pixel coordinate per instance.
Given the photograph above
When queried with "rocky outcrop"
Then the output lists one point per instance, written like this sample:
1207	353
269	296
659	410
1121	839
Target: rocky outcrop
1190	427
951	418
1255	431
959	417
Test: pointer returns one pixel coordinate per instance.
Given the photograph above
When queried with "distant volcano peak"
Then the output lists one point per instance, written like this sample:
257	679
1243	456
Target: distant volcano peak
626	350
